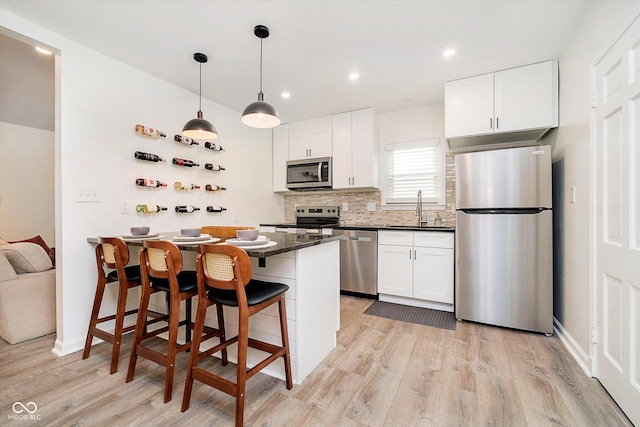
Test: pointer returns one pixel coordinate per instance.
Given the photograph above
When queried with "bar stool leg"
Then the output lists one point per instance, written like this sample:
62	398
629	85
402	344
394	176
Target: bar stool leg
141	327
284	331
243	344
201	313
97	301
117	333
174	323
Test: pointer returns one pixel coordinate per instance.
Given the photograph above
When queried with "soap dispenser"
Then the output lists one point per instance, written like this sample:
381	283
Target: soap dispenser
437	220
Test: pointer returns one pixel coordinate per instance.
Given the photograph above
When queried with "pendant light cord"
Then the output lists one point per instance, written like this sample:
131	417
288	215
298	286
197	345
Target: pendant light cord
260	65
200	93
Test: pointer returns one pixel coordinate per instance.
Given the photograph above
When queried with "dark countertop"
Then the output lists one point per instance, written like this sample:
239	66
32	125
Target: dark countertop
286	242
376	227
396	227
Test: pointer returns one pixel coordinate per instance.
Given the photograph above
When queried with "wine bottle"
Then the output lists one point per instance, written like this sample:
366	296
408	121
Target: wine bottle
150	208
148	156
185	140
211	167
149	131
215	209
143	182
184	162
212	146
179	186
214	187
186	209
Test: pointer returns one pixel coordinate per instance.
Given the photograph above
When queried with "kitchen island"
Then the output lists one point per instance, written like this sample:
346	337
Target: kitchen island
310	266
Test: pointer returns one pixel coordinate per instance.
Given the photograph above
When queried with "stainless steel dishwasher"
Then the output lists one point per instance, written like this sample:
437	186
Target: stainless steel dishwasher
358	262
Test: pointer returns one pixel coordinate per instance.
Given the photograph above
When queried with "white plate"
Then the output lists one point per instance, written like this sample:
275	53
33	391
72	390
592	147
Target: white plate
261	240
152	236
198	242
200	238
262	245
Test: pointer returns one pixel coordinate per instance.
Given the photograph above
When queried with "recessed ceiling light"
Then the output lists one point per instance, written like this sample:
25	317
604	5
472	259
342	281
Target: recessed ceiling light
44	51
354	76
448	52
285	95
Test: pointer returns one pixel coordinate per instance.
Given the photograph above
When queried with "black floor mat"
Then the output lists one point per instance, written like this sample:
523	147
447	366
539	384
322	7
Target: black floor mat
418	315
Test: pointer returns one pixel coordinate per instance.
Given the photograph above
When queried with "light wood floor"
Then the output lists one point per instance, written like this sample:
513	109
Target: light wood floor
382	373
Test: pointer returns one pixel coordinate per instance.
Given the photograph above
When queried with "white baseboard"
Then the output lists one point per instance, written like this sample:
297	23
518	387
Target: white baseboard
583	359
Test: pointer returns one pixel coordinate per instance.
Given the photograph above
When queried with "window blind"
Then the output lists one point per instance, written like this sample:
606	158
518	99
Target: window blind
412	167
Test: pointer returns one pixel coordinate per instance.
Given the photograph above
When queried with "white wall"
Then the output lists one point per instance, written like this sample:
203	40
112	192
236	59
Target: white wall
411	125
603	23
26	183
99	102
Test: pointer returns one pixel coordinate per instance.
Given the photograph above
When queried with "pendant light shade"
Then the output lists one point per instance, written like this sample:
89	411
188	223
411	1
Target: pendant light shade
199	128
260	114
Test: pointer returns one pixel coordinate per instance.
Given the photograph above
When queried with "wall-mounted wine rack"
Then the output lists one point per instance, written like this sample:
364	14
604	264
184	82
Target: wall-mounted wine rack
181	186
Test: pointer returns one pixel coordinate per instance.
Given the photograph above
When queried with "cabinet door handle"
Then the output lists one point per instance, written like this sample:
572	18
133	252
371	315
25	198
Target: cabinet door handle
409	253
491	123
415	254
353	180
497	122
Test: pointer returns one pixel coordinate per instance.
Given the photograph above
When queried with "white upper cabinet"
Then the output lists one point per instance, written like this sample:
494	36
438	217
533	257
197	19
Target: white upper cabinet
280	156
355	149
468	106
310	139
517	104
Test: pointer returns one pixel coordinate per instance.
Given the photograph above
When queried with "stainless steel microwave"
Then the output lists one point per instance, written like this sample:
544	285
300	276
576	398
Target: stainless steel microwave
309	174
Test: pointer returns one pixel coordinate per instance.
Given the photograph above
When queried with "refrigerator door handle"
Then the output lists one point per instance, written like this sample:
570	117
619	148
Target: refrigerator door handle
505	211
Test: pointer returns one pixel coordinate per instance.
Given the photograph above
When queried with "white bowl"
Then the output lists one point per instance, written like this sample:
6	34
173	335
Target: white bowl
247	234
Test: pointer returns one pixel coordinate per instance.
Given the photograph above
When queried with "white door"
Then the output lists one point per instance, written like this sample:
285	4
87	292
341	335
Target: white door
617	233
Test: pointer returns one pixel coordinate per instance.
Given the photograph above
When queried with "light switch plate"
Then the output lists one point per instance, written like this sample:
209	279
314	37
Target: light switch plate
371	206
572	194
345	207
87	195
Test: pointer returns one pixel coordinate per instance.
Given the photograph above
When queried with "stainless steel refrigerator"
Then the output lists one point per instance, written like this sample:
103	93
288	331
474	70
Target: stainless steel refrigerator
504	239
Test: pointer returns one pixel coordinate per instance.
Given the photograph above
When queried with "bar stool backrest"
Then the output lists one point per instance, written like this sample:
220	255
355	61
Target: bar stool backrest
162	259
224	266
111	248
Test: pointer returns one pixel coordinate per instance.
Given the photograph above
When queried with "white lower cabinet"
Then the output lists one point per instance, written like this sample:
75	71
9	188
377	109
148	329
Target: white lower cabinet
416	268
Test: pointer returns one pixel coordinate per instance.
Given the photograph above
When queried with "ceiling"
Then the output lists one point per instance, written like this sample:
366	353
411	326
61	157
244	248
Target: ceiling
395	46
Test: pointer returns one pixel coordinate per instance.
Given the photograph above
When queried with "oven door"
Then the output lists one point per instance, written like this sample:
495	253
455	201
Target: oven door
309	174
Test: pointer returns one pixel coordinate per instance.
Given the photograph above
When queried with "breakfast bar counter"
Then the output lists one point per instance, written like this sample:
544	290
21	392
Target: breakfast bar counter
310	266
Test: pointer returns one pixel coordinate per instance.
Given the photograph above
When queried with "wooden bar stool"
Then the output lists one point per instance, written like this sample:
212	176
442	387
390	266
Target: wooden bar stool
112	253
224	275
161	270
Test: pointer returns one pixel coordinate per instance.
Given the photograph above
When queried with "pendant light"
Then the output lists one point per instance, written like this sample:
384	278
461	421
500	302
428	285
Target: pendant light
199	128
260	114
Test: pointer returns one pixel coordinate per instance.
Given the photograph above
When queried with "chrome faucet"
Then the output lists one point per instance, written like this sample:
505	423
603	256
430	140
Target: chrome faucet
421	221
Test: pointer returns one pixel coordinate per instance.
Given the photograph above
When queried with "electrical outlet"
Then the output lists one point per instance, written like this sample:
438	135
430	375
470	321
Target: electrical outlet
371	206
124	208
87	195
572	194
345	207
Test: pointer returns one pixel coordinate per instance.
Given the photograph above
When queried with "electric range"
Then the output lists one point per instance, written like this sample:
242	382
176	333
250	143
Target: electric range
312	220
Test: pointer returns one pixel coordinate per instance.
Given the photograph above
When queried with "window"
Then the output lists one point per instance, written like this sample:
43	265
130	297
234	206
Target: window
413	166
